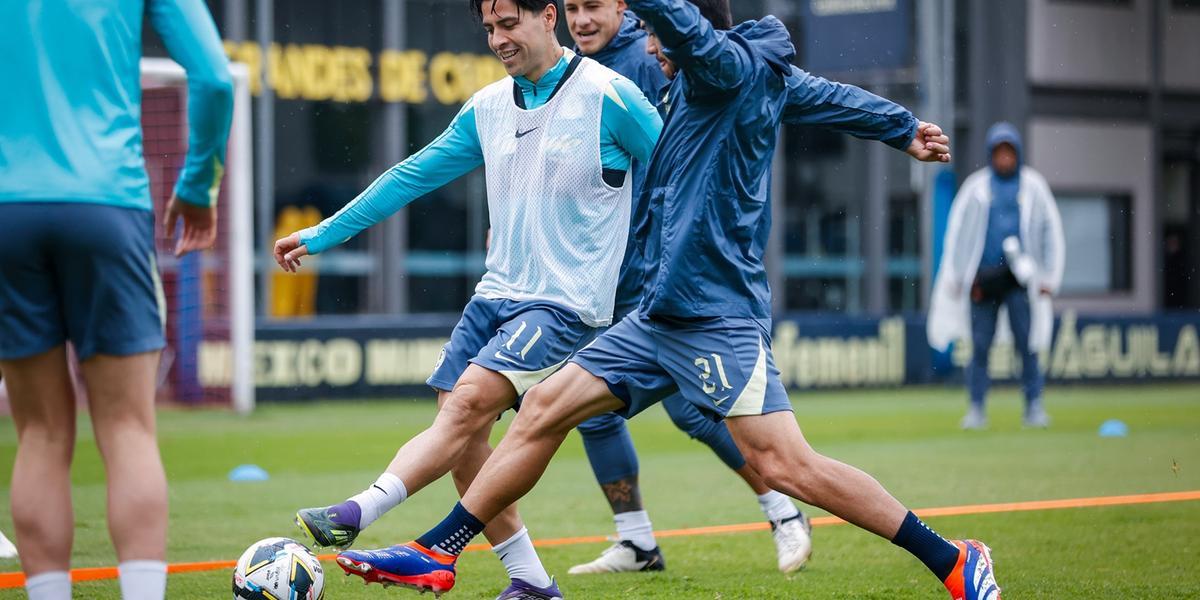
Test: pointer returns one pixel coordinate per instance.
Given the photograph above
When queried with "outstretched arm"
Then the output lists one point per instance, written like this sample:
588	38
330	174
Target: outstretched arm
706	55
850	109
453	154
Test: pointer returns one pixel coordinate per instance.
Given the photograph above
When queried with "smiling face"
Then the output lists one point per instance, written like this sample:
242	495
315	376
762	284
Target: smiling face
522	40
594	23
654	48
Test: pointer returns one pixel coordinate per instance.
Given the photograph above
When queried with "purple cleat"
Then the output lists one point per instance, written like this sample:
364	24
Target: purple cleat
520	589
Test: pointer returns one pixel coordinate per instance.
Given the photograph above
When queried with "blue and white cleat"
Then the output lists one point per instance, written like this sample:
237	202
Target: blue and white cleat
622	557
520	589
973	577
407	565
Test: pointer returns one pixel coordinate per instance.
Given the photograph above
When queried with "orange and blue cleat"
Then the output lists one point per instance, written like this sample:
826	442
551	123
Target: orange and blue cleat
973	577
408	565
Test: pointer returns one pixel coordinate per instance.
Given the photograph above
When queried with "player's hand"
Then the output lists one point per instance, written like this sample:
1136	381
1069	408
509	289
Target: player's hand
930	144
288	252
199	225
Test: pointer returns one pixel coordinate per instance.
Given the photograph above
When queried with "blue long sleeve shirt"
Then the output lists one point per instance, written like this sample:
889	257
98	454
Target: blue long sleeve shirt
70	120
630	127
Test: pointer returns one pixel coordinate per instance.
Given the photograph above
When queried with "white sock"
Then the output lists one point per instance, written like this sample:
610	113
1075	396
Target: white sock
521	560
635	527
387	492
53	585
777	506
143	579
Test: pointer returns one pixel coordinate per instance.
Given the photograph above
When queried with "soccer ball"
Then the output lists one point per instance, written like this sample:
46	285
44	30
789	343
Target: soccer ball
278	569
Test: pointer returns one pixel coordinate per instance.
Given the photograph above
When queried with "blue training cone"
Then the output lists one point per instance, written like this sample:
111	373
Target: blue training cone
1114	428
248	473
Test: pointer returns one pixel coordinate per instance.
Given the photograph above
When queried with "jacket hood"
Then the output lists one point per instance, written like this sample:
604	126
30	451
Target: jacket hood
626	35
771	38
1005	133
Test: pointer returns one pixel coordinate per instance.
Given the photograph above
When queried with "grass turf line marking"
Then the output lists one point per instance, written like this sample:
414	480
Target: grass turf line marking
17	579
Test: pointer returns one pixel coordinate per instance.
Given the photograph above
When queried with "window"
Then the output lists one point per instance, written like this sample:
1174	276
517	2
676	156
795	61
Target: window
1097	232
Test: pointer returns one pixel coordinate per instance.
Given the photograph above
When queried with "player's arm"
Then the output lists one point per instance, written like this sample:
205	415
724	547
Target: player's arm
191	38
706	55
630	120
188	32
453	154
813	100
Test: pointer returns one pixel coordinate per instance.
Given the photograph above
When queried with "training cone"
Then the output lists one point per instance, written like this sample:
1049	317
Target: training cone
248	473
1114	428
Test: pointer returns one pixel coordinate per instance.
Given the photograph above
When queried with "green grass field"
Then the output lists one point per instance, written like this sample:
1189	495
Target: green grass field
318	454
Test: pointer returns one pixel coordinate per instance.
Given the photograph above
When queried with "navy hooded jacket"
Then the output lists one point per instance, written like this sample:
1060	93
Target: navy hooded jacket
626	54
709	180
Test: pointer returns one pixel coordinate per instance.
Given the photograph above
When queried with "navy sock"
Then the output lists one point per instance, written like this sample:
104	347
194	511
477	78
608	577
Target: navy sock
453	533
929	547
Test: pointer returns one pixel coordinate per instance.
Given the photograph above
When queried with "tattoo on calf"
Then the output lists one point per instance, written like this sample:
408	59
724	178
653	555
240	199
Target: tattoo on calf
623	495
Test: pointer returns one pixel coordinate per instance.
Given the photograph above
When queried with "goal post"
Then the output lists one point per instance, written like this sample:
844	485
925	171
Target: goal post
209	357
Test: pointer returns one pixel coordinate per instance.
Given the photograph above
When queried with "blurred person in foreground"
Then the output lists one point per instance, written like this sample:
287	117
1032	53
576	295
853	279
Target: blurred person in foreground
1002	261
77	262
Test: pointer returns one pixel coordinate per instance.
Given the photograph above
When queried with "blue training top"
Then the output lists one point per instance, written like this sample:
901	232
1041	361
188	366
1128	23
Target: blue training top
629	130
71	120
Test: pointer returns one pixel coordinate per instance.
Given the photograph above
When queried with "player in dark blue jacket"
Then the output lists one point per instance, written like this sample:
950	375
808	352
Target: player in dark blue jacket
605	31
703	327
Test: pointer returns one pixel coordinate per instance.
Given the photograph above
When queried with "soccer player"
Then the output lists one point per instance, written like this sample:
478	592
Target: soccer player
77	262
605	32
703	327
557	139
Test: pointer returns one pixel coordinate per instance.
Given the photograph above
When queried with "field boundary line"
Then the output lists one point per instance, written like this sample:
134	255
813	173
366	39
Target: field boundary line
17	579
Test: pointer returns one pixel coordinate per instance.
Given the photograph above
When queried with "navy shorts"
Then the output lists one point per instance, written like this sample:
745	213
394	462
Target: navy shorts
525	341
79	272
721	365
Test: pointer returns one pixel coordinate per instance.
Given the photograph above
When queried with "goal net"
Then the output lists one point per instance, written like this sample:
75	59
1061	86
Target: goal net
210	295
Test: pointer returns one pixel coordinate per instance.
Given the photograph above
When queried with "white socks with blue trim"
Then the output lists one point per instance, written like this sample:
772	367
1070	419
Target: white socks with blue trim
521	560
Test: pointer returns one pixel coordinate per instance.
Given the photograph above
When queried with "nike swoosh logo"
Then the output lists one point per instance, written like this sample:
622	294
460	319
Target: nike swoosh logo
719	402
521	134
507	359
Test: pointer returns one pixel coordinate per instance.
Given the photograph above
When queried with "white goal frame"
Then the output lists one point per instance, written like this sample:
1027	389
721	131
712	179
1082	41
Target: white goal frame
240	204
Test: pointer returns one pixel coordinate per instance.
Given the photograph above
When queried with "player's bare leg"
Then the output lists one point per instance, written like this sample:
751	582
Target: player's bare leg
476	453
549	412
43	409
121	401
775	447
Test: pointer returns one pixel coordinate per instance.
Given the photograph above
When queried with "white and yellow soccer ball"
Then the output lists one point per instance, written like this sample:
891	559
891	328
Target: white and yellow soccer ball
278	569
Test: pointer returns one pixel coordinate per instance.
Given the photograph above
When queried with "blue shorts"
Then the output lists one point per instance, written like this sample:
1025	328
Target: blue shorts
721	365
79	272
525	341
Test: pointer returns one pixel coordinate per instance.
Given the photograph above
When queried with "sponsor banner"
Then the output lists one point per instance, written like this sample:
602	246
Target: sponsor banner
380	358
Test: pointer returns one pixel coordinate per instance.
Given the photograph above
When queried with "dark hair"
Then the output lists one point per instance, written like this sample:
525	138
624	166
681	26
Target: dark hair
717	12
534	6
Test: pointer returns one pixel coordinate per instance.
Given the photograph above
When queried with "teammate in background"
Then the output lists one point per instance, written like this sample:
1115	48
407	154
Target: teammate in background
703	327
558	138
1004	248
77	262
605	32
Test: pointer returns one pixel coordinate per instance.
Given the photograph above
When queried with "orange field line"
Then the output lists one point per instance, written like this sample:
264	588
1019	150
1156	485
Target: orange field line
17	579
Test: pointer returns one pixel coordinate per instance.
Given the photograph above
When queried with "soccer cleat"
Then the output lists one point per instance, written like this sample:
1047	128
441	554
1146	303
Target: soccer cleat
408	565
793	542
622	557
325	527
974	420
1035	416
973	577
520	589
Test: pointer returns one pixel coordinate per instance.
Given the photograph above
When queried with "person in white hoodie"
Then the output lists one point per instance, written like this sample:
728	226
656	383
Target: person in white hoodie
1002	262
